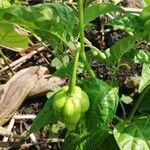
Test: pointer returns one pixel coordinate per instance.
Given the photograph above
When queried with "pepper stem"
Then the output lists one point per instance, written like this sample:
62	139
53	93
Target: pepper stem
72	82
80	51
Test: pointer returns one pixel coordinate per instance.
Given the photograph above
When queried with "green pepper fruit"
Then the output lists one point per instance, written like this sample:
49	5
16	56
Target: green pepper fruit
71	112
80	96
69	108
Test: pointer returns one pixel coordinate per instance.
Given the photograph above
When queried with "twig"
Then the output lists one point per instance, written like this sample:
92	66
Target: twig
32	137
55	140
9	128
18	117
8	65
27	145
23	59
44	58
5	132
132	10
52	140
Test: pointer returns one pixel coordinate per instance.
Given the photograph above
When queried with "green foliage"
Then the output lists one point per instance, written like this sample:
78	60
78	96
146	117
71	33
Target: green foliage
64	71
52	22
128	22
145	78
91	12
53	92
11	37
144	106
4	3
144	15
110	143
121	47
133	135
103	103
126	99
57	63
142	57
85	140
147	2
58	24
94	140
72	141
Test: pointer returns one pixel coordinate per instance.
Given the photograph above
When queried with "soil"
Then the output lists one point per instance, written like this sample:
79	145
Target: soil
102	39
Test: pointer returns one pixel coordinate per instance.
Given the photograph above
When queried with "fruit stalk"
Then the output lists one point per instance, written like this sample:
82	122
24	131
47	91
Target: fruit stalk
72	82
80	51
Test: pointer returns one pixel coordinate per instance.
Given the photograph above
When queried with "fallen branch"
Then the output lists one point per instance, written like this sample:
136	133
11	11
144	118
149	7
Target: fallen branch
27	82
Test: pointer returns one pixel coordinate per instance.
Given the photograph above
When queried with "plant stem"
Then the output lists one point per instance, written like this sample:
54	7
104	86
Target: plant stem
82	52
123	109
79	51
137	103
73	77
118	118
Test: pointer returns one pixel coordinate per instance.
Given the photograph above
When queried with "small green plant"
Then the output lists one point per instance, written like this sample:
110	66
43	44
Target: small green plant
88	107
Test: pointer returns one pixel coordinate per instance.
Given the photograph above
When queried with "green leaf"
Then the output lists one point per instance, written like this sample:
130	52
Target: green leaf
53	92
94	140
44	117
52	22
11	37
110	143
144	106
73	140
134	135
126	99
142	56
64	70
145	78
4	3
91	12
128	23
85	140
57	63
103	103
121	47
